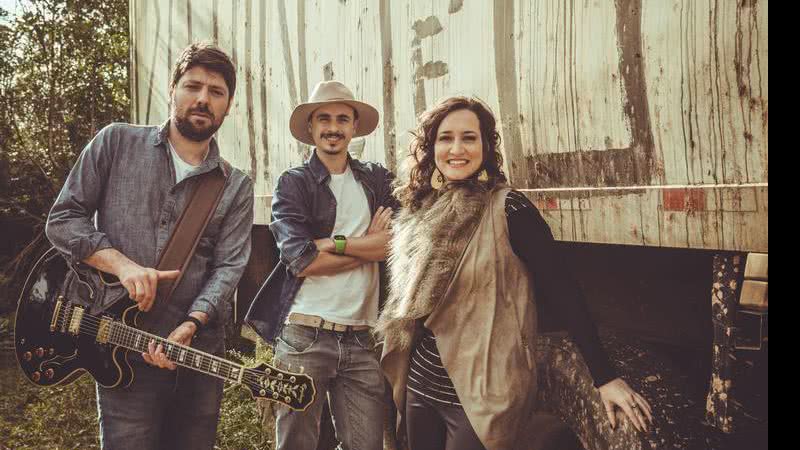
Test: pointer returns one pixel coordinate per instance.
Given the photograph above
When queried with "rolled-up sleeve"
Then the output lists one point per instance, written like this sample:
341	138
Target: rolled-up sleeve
70	224
231	254
291	225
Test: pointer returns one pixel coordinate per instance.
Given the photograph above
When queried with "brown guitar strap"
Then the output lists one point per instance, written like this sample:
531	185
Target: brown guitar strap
186	235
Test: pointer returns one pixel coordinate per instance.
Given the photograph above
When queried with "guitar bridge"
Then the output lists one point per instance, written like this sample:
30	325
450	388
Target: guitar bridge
75	321
104	330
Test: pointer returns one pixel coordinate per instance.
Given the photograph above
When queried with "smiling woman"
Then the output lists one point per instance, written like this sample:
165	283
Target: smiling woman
459	148
464	328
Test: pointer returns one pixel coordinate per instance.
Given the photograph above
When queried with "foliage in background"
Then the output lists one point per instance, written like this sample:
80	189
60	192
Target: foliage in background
66	416
63	76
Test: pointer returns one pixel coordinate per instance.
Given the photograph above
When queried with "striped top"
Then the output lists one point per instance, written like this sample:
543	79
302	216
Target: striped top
427	375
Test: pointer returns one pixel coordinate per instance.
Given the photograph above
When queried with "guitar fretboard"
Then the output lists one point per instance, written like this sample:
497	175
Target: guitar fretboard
138	340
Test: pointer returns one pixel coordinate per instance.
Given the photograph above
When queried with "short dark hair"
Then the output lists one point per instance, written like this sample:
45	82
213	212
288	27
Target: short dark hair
411	192
208	55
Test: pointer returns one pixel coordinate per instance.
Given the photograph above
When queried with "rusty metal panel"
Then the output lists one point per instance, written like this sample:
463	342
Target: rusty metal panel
641	122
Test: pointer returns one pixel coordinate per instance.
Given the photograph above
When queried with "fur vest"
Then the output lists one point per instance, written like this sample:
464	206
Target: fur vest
426	246
456	274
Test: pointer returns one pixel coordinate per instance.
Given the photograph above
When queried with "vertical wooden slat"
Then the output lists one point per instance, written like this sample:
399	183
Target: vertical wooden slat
637	94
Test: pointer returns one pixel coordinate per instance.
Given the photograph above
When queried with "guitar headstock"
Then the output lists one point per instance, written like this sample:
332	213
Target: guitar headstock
295	390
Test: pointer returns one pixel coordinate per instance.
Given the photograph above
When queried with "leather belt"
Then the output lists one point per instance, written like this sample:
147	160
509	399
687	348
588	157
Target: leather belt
318	322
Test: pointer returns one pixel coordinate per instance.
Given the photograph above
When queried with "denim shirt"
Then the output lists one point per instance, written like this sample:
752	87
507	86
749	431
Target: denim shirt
125	176
304	209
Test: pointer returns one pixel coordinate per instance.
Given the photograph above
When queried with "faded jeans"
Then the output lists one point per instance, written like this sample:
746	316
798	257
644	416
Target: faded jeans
161	409
347	374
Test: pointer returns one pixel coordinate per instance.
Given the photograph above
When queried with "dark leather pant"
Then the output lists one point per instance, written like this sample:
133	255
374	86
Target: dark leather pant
432	425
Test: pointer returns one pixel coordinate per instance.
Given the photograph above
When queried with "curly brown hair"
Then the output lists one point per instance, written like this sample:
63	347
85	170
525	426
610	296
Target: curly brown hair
411	192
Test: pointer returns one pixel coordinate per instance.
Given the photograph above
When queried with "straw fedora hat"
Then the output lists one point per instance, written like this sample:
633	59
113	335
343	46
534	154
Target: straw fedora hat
326	92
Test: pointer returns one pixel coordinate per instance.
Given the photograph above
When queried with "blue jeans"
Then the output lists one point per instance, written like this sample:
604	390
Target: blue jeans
161	409
347	374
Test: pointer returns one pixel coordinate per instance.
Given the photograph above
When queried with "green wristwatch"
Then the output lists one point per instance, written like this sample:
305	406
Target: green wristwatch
340	242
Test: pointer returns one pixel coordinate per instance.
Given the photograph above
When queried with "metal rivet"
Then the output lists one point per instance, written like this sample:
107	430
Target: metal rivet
262	392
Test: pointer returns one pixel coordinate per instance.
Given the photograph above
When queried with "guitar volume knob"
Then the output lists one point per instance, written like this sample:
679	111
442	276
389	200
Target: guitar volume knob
39	352
35	376
49	374
27	356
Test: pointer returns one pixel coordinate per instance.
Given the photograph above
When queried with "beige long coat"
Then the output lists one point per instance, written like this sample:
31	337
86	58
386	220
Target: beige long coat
484	328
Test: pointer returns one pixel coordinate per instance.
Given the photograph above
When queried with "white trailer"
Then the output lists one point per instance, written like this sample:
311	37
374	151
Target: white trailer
636	122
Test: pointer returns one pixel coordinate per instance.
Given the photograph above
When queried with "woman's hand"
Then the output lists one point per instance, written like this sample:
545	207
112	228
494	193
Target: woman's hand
617	392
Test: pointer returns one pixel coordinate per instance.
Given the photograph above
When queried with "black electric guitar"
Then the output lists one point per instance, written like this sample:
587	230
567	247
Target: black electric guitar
57	340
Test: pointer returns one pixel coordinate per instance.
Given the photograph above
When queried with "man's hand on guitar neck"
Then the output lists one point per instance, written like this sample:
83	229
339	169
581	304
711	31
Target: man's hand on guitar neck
141	282
183	335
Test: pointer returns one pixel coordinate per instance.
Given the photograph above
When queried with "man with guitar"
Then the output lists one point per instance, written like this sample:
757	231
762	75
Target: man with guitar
118	212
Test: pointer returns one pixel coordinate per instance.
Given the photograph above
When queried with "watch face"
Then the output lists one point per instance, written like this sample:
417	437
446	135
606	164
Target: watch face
339	237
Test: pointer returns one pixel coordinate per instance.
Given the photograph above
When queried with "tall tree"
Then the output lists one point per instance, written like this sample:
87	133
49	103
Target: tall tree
63	75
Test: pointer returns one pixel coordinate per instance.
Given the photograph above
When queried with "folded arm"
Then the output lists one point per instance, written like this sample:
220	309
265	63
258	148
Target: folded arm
293	233
372	247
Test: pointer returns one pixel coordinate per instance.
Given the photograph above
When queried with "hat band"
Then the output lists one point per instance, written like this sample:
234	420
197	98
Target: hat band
333	100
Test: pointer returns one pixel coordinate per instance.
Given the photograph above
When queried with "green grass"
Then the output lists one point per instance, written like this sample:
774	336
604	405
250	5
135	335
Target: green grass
65	417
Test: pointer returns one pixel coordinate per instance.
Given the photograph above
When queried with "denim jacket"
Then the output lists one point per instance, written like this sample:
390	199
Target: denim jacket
122	194
304	209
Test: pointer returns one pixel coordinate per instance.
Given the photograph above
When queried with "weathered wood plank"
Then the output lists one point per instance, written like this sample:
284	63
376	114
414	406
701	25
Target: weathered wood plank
646	95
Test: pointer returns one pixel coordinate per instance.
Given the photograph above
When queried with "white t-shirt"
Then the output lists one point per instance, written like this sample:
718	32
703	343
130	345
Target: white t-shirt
351	297
182	168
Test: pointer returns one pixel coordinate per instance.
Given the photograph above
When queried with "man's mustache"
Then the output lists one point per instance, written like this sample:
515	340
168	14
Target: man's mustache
201	110
332	135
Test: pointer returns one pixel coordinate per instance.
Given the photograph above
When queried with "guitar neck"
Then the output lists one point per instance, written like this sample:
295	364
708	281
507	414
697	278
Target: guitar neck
182	355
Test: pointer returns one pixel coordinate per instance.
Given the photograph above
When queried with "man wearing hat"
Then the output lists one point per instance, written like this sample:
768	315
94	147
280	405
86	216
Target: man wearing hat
330	219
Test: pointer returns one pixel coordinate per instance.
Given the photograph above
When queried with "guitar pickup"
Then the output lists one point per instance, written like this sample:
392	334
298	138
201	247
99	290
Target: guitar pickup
75	321
104	330
56	311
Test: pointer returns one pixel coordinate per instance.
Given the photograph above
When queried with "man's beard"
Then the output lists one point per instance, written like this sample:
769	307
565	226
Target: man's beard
329	150
191	132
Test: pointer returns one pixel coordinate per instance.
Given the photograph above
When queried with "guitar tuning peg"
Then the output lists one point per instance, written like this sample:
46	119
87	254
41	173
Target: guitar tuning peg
302	369
288	367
